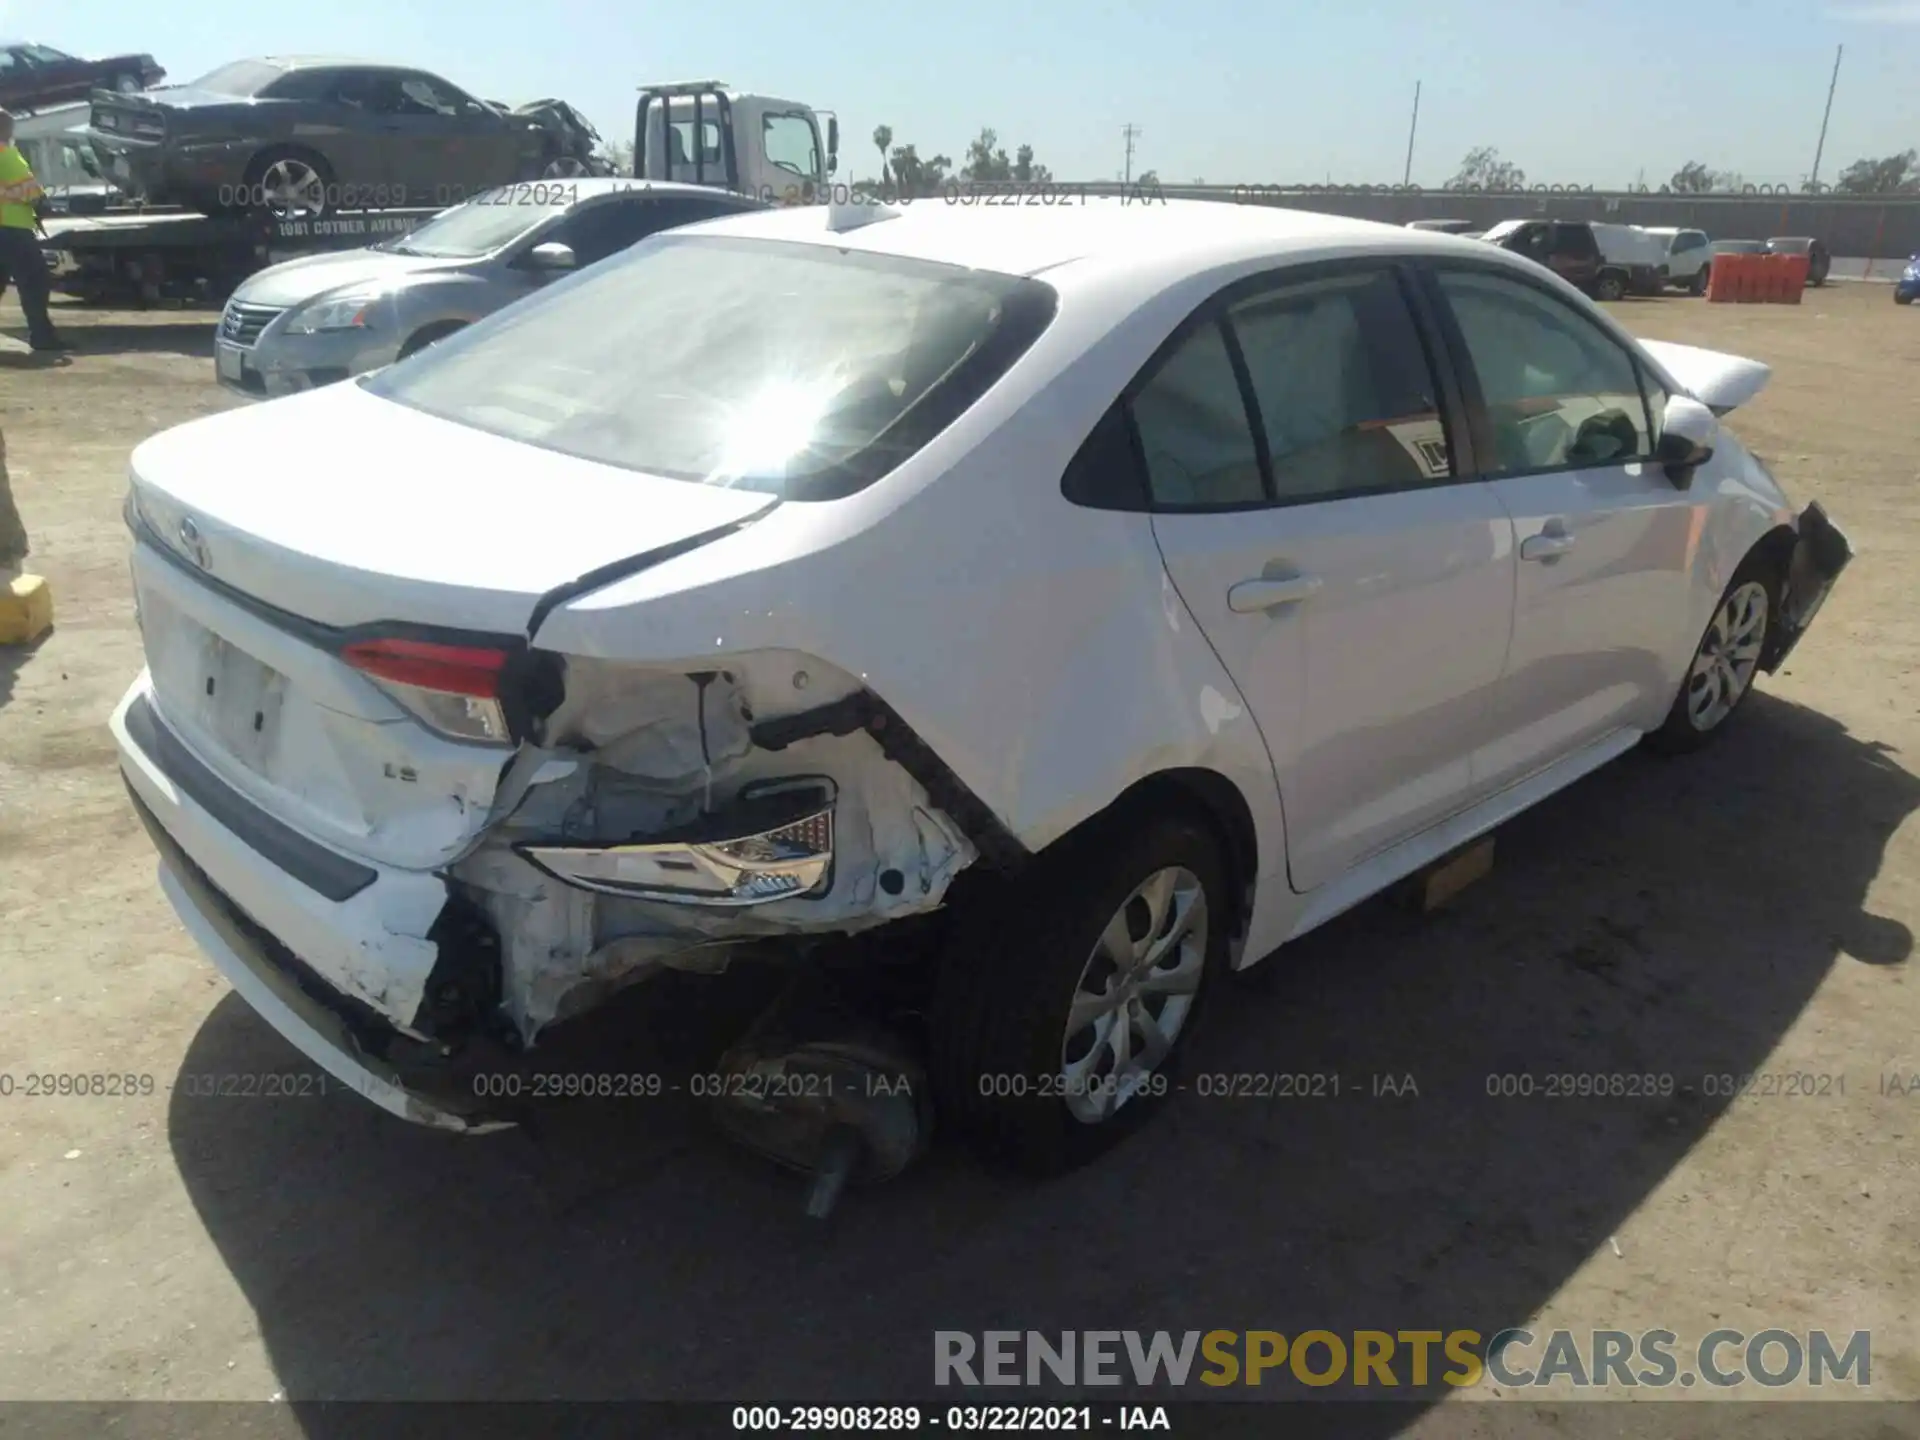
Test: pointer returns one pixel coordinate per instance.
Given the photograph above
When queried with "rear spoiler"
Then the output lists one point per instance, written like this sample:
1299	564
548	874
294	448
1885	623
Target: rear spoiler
1717	380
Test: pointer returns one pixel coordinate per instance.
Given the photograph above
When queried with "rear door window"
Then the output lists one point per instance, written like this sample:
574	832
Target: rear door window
1340	383
1191	417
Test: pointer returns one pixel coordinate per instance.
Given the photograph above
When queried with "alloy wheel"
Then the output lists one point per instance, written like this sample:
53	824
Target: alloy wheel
1728	655
1134	994
293	188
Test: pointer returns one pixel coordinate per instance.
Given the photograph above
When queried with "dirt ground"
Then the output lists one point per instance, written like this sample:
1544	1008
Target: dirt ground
1748	910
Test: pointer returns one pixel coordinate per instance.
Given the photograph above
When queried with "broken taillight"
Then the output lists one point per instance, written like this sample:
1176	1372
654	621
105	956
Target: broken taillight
452	689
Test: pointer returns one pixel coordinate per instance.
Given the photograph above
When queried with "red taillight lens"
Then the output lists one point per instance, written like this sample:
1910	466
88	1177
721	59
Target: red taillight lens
451	669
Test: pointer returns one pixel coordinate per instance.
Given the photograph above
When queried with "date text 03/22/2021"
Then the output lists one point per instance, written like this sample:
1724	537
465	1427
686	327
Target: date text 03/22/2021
960	1419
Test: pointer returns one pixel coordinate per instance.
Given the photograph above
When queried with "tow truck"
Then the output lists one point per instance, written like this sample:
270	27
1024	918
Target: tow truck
756	144
778	150
155	253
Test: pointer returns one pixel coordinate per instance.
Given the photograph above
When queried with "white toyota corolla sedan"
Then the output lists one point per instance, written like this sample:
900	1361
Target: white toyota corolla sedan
1120	590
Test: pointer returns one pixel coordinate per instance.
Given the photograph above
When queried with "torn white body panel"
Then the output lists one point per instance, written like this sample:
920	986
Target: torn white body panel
636	753
372	947
301	734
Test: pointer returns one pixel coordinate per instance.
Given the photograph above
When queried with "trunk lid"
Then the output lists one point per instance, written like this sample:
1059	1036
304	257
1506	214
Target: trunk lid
117	115
266	532
347	509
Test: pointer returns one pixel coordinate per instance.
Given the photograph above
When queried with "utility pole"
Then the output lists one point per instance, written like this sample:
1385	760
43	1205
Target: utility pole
1132	132
1406	177
1813	180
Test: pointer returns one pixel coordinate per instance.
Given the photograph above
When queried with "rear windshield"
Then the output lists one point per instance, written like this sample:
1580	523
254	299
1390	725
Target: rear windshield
798	369
242	77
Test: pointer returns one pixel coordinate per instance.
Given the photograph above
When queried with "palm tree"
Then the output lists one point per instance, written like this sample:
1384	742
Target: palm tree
882	141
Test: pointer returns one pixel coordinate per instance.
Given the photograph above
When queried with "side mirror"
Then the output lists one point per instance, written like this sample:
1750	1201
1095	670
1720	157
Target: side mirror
551	256
833	143
1686	441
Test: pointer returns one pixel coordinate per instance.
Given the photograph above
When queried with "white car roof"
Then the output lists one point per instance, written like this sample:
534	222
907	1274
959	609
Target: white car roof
1160	240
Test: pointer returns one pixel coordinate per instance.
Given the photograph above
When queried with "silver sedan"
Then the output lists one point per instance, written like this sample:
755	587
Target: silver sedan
322	318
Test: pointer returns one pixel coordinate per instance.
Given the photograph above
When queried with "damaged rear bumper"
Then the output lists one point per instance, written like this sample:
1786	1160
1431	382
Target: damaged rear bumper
424	989
1820	553
357	1050
328	951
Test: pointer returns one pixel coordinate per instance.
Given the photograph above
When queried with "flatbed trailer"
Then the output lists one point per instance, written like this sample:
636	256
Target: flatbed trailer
150	254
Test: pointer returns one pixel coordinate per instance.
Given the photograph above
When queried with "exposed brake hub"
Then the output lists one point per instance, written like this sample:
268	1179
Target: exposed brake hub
821	1089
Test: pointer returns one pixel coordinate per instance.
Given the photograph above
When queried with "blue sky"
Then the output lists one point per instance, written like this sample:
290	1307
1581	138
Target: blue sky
1588	93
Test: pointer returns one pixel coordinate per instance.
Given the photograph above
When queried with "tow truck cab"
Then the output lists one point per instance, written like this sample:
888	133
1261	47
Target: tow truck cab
760	146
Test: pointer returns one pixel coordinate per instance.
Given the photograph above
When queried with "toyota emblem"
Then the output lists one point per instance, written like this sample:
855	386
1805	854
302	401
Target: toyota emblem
194	545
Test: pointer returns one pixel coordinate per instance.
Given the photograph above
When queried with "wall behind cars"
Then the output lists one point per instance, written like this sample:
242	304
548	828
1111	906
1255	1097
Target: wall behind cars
1870	226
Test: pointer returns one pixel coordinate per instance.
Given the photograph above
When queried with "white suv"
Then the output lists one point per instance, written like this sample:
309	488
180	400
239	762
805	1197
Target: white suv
1689	258
1119	591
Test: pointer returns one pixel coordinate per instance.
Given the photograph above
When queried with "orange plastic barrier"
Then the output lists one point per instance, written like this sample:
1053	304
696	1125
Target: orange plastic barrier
1757	279
1727	281
1719	276
1780	273
1796	278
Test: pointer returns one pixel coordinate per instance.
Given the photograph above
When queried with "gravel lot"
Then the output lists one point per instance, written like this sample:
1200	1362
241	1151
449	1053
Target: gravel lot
1749	910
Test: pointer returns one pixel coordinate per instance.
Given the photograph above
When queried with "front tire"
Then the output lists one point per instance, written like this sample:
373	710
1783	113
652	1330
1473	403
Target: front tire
1065	1000
1726	661
1698	284
1900	299
428	336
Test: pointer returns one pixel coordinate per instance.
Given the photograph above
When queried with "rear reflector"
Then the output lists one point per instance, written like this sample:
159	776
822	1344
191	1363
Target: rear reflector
452	669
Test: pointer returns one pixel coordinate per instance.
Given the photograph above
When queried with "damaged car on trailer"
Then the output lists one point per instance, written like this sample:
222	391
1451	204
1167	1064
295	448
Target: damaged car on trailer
1069	611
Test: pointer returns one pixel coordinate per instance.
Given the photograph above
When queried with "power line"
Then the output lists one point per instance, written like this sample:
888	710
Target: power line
1813	180
1412	127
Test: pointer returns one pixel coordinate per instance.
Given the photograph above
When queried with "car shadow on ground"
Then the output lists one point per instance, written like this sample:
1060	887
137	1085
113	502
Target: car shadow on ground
1665	917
